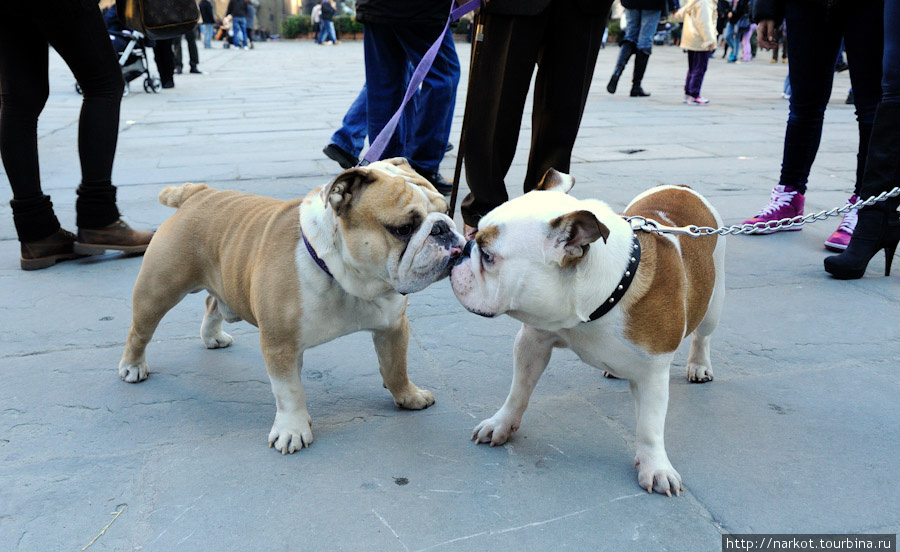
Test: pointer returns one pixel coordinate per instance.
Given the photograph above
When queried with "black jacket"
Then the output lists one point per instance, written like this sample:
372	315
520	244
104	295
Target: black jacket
534	7
327	11
207	12
404	12
774	9
644	5
237	8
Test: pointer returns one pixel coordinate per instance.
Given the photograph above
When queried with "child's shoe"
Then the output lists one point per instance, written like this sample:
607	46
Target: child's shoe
698	101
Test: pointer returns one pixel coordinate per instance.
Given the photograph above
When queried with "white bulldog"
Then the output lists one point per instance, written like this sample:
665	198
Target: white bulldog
577	276
305	272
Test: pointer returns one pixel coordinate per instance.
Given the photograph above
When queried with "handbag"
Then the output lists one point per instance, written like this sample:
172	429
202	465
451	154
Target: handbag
159	19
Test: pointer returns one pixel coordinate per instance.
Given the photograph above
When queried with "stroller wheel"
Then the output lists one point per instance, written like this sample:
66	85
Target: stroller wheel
77	87
152	85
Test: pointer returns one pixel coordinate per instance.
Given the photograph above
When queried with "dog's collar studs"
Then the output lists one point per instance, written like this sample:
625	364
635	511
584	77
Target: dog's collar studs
626	280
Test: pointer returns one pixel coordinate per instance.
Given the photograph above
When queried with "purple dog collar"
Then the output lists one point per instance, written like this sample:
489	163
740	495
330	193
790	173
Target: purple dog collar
312	253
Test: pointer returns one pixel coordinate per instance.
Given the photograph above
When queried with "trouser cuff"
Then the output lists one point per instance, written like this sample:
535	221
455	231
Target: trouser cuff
96	205
34	218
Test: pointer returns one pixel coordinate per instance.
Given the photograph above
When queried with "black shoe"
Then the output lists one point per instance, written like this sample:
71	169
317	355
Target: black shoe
344	158
449	147
849	100
196	71
841	67
178	70
613	83
168	84
442	186
638	92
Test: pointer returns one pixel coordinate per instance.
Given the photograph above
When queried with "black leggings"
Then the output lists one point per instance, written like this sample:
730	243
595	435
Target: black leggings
77	32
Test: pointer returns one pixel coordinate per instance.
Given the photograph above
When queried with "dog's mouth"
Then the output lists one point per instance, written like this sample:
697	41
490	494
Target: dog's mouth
482	313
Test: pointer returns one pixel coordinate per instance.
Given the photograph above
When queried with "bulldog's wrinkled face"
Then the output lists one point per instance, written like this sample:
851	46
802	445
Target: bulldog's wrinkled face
514	264
393	219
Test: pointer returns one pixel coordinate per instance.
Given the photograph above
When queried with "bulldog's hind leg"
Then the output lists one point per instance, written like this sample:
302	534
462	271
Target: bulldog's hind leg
292	429
699	366
211	328
154	295
391	346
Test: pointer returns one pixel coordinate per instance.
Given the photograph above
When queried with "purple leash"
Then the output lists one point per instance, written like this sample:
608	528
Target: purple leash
376	149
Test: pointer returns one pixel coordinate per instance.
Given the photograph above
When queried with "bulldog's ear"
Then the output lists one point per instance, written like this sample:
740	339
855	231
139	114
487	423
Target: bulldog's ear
341	192
556	181
572	234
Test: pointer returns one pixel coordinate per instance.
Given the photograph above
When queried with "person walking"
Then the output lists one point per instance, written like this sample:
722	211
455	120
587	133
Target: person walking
517	34
207	21
698	37
237	9
327	23
397	35
815	32
878	226
642	19
251	20
738	16
77	32
315	19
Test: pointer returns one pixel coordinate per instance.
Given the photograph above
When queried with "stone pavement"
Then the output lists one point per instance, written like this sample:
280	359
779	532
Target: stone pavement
798	433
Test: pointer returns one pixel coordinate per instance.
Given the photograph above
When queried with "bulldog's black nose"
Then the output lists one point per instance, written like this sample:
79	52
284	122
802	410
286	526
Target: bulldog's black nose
467	250
440	227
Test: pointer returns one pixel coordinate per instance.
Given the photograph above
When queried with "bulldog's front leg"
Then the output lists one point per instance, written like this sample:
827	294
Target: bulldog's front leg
651	397
391	346
292	429
530	357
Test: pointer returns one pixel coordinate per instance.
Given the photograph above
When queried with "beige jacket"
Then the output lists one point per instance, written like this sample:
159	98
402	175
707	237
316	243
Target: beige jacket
699	30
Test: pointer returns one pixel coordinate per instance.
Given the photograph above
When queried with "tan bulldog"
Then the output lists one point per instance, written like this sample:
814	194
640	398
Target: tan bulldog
577	276
304	272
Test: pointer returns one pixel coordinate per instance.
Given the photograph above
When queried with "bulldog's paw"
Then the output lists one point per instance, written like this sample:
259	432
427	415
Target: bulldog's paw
698	373
657	476
495	430
291	433
414	398
134	373
217	341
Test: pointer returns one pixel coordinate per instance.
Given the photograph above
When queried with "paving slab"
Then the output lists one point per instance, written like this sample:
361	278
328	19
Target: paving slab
799	432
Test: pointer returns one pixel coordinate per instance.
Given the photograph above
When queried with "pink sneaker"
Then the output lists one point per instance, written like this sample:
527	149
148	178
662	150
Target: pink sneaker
785	202
697	101
841	237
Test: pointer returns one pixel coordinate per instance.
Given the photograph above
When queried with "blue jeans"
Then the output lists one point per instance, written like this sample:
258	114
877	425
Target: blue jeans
239	25
207	30
640	27
733	40
814	39
424	128
326	31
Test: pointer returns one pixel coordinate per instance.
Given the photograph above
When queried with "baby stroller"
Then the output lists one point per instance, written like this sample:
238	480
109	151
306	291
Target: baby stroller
131	48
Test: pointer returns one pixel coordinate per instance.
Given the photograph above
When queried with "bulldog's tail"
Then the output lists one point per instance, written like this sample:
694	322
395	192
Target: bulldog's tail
174	196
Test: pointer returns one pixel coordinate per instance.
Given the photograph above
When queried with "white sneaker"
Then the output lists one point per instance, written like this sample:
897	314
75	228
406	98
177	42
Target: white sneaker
698	101
688	99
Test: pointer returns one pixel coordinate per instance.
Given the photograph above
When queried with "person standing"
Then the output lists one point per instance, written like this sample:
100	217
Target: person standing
251	21
698	37
207	21
193	54
814	39
77	32
397	34
237	9
517	34
878	226
642	19
738	16
315	18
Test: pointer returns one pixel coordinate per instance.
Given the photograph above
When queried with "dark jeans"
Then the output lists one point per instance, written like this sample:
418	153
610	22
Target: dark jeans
498	88
890	80
77	32
193	55
697	62
814	39
422	133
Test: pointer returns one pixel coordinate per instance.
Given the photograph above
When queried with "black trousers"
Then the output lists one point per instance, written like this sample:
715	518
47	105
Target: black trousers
193	55
76	31
563	42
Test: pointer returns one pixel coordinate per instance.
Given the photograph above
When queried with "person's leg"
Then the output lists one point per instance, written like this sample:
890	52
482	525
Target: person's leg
207	29
176	55
351	136
436	100
745	43
699	71
23	92
690	87
193	55
498	87
165	63
649	23
565	70
386	79
731	37
84	45
332	36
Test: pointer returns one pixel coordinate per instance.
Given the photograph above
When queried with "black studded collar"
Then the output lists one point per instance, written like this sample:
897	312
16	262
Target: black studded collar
623	284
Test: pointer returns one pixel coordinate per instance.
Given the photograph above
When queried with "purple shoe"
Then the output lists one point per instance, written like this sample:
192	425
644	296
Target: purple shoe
839	240
785	202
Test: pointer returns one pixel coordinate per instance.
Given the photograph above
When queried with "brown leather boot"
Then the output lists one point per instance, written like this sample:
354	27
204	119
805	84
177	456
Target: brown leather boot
48	251
117	236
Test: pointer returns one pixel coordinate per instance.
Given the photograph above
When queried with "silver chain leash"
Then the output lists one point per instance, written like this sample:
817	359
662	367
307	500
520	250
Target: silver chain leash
650	225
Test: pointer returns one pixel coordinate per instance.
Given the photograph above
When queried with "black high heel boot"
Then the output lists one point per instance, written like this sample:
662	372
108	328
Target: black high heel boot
879	224
641	58
875	230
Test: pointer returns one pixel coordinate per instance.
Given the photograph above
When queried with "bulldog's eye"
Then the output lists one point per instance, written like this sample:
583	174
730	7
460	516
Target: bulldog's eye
403	231
487	258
